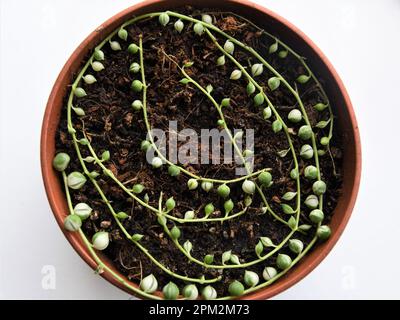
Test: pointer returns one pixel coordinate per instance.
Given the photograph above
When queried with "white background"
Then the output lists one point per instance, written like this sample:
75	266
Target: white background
361	38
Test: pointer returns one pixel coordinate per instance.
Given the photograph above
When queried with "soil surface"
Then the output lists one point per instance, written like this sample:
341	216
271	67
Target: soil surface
112	124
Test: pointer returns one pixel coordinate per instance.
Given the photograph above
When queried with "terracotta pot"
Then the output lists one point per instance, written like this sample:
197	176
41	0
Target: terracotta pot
346	123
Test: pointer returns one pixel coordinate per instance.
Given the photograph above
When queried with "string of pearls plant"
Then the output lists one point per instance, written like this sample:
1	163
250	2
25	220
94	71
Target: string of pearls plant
252	183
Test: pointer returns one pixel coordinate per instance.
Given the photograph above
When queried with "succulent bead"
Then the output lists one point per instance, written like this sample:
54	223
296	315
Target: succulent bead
145	145
174	171
283	54
137	85
220	123
82	210
189	215
258	99
311	172
273	83
316	216
248	187
296	246
171	291
61	161
97	66
228	206
162	220
323	232
156	162
236	288
192	184
312	201
198	28
206	186
320	106
76	180
209	293
306	151
80	92
294	174
137	105
267	113
208	209
236	75
122	216
319	187
250	89
170	204
179	25
188	246
163	19
295	116
277	126
123	34
305	132
265	178
269	273
221	61
175	233
206	18
251	278
98	54
134	67
133	48
229	47
273	48
257	69
190	292
115	46
78	111
89	79
223	191
209	259
100	240
72	222
302	79
149	284
137	188
324	141
283	261
226	102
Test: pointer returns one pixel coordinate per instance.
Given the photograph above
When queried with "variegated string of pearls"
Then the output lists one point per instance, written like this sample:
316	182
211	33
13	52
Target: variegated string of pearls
100	240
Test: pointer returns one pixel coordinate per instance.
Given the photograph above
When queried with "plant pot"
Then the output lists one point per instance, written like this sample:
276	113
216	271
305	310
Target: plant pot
346	123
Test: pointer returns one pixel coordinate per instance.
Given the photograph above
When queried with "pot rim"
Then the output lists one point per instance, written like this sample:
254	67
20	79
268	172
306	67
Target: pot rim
297	273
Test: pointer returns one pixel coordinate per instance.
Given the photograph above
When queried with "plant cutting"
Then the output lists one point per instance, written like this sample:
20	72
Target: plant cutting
184	229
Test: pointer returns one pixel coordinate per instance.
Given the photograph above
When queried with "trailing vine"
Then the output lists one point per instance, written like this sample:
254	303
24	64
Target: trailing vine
252	183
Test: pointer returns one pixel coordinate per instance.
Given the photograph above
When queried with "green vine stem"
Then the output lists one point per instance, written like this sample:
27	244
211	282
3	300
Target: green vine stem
100	264
217	106
309	71
127	235
284	126
269	67
279	275
228	266
132	195
115	275
152	209
72	131
146	120
227	130
204	91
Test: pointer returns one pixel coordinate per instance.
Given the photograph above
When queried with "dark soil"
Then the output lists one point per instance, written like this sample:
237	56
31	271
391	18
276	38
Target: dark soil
112	125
